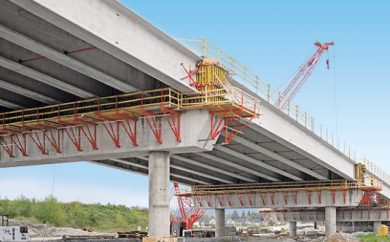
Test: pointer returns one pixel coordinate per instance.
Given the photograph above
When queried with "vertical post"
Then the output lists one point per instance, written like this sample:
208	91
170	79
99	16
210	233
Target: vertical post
293	229
220	230
159	214
268	91
305	120
330	220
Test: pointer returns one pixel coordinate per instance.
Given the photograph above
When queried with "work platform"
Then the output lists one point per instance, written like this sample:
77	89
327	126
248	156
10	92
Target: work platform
230	108
340	193
113	96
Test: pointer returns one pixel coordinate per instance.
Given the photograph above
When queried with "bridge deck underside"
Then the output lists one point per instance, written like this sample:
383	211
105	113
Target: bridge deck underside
242	161
75	69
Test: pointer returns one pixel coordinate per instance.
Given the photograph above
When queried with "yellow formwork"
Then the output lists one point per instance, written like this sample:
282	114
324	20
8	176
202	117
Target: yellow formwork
211	78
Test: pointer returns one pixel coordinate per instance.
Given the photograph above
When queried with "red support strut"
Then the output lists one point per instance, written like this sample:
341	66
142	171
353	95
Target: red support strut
38	141
7	145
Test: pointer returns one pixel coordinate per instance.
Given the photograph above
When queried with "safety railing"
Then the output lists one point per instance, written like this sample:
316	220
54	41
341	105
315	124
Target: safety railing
62	111
132	104
263	89
285	187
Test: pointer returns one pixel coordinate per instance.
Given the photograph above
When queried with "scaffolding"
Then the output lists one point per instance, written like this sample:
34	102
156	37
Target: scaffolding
231	110
311	186
245	195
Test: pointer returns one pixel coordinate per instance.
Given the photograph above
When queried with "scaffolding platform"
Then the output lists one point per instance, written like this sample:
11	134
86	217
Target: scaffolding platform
313	186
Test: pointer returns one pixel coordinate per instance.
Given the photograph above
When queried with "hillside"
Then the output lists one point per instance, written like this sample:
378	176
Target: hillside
96	217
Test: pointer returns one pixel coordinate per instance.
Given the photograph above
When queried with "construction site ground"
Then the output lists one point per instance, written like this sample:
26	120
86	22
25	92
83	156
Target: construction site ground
43	232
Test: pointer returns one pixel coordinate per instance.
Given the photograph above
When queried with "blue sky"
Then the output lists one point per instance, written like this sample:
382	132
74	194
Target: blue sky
272	38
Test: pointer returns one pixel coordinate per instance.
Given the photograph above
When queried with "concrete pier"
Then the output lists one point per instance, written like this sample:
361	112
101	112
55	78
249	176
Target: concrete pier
159	213
293	229
220	228
330	220
376	225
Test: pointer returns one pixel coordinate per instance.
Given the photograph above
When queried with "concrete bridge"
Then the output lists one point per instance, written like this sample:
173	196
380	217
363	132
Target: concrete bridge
54	52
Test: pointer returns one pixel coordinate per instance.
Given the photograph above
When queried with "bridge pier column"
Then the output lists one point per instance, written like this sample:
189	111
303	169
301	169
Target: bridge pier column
376	226
330	220
159	214
293	229
220	228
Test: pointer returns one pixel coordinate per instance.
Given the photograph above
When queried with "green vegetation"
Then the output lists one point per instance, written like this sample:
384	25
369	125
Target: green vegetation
374	238
95	217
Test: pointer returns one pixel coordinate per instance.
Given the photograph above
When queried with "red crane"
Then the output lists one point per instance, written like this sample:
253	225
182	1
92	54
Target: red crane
302	75
188	214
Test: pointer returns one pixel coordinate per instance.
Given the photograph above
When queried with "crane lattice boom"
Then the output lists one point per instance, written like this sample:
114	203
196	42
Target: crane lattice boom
302	75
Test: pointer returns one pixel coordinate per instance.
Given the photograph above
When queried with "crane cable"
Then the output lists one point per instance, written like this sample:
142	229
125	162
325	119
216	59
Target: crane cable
51	200
335	97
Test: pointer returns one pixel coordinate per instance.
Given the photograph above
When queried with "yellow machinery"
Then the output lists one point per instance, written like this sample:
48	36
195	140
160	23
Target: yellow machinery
383	230
360	171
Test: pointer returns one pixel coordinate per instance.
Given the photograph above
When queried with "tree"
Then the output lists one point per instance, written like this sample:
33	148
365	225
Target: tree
235	215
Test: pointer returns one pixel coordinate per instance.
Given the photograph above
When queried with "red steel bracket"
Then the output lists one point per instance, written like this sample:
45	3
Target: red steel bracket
7	145
240	198
130	127
189	74
173	119
319	196
21	143
308	194
286	196
220	200
90	133
54	139
231	125
74	134
154	122
112	129
40	142
250	199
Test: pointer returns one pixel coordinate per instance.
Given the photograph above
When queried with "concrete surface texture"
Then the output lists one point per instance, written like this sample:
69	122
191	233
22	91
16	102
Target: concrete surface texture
87	57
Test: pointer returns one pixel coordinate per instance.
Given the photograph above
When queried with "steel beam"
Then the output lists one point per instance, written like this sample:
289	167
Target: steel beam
194	180
128	40
186	178
26	92
237	166
46	79
10	105
277	157
256	162
63	59
191	171
218	170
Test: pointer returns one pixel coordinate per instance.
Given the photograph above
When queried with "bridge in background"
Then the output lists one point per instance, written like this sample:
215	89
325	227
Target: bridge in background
116	91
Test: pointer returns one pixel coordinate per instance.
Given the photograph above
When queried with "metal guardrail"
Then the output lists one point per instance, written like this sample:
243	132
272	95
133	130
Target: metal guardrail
263	89
369	185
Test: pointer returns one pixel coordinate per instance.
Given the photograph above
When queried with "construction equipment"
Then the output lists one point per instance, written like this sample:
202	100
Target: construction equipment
12	233
360	171
302	75
188	214
231	109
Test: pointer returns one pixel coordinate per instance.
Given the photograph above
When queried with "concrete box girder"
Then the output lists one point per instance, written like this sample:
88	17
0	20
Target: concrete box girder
131	39
194	126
